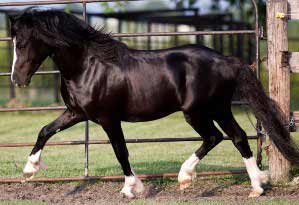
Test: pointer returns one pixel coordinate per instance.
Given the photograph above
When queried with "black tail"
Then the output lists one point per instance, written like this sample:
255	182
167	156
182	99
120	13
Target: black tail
267	111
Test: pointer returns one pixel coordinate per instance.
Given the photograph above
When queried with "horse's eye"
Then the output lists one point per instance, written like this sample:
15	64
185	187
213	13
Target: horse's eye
20	45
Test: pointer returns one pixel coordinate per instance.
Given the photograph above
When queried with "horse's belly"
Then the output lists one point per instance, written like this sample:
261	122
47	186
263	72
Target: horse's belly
150	109
142	117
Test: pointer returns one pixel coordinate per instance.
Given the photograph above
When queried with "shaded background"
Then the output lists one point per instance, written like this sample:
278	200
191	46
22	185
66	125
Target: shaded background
146	16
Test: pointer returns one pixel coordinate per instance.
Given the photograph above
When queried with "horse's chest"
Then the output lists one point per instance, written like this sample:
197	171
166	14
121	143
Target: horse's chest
75	98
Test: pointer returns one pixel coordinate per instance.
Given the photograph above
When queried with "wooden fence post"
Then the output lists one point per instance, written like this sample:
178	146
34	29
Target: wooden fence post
279	79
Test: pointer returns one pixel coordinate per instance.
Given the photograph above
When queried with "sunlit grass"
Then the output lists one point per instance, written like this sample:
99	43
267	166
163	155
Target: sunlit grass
145	157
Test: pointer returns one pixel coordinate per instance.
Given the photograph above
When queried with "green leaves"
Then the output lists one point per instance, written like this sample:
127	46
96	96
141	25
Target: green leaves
184	3
112	7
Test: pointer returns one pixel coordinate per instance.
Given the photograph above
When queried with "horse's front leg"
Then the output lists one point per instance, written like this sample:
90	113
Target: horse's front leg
66	120
132	183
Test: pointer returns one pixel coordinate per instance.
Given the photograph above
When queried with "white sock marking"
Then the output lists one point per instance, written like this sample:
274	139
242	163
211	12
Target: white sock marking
255	174
33	163
35	157
15	57
132	184
187	169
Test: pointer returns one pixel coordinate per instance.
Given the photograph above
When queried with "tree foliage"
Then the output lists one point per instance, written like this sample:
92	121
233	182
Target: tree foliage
112	7
184	3
245	7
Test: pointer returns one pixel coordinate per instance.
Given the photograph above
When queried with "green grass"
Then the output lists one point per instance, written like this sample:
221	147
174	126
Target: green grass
22	202
145	158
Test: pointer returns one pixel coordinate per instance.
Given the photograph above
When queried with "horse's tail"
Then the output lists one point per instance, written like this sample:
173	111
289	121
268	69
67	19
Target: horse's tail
268	112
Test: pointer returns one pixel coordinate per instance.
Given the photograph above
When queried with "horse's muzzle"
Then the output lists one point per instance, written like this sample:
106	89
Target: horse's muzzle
20	84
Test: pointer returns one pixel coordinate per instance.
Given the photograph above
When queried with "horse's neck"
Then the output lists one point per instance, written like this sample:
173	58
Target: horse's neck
69	61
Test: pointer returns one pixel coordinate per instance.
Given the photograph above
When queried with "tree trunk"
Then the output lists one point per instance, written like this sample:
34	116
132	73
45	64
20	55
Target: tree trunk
279	80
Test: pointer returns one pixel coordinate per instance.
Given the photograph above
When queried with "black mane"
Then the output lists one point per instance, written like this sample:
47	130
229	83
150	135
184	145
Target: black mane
60	29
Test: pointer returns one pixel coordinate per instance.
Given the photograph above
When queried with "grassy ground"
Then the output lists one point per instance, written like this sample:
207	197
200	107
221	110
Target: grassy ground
145	158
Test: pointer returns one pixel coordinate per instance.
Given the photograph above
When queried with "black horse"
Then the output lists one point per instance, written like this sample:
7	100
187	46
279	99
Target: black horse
104	81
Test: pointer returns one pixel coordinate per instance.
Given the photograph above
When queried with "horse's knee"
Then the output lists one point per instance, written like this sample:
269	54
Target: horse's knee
241	143
215	138
191	120
240	139
43	132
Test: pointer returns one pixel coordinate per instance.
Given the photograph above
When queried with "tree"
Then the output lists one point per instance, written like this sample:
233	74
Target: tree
179	4
245	6
247	10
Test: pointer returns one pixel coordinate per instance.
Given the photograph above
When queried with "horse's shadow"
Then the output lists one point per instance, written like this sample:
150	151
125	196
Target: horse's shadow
155	186
211	192
79	188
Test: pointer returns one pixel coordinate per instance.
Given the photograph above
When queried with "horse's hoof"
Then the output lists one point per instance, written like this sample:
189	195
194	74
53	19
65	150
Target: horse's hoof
185	179
31	169
256	193
185	185
138	187
264	177
127	193
28	176
132	185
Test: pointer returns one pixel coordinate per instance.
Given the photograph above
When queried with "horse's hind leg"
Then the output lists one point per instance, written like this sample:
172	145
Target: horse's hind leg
66	120
116	137
239	138
211	137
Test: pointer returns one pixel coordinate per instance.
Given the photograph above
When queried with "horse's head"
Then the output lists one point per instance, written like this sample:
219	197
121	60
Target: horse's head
39	33
29	51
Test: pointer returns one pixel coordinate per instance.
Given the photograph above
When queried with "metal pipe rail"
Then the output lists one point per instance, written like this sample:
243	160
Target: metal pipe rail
37	73
94	142
49	108
187	33
49	2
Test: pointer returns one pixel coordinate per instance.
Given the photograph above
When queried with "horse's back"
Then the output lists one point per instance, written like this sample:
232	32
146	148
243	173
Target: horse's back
164	81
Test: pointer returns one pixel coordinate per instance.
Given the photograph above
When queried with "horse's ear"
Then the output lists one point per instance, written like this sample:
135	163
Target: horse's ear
12	18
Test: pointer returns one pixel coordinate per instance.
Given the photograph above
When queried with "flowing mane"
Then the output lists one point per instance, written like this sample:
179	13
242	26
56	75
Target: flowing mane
60	29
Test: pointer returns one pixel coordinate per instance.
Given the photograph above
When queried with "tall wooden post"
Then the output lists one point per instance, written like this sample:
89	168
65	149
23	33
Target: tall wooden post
279	79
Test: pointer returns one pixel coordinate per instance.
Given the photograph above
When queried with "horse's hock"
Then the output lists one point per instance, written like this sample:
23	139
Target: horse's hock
293	60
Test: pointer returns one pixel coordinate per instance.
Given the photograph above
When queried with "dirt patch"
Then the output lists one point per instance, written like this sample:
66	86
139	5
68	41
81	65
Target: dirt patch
108	192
